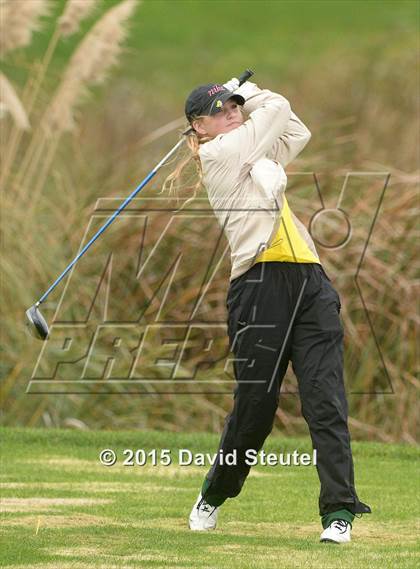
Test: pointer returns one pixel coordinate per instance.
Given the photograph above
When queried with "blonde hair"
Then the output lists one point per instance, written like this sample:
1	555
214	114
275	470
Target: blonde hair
173	182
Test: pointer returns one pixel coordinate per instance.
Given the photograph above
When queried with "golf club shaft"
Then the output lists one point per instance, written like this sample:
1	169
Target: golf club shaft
110	220
244	77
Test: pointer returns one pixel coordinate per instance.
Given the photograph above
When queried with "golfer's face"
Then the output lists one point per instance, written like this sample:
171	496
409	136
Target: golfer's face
225	120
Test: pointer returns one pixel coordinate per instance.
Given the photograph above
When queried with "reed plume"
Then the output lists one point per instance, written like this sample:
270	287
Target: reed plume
69	22
19	21
11	102
96	53
17	24
74	12
89	65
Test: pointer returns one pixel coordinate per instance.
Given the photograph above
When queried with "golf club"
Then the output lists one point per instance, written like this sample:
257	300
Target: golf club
36	323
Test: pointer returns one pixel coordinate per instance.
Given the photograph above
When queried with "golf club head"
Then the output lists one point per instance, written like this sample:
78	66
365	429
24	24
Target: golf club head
36	323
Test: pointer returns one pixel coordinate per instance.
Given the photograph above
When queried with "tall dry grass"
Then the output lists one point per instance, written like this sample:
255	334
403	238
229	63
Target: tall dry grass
90	65
75	11
363	117
18	23
11	102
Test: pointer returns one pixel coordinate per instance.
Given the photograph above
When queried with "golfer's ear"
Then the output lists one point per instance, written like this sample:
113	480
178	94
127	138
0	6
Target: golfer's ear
197	127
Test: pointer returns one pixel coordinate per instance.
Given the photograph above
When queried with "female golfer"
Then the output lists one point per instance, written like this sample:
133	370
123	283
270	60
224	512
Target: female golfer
281	304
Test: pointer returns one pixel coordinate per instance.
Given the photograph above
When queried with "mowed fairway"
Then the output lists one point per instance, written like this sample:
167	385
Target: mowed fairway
62	508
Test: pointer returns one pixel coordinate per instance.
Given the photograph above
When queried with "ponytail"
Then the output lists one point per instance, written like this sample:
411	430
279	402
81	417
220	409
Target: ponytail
173	182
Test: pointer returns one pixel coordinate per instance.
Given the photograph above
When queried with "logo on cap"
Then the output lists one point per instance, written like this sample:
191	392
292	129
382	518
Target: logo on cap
219	103
215	89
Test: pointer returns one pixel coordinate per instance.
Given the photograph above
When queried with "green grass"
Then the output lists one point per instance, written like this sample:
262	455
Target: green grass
61	508
175	44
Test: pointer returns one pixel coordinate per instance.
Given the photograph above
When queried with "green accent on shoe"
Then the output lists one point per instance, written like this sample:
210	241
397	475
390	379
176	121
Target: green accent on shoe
337	515
214	500
205	485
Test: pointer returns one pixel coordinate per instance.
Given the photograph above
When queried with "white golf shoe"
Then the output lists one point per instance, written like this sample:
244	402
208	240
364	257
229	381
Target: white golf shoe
203	517
337	532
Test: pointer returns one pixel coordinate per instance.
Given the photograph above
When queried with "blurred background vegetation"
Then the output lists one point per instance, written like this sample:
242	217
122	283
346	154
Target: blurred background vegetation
351	72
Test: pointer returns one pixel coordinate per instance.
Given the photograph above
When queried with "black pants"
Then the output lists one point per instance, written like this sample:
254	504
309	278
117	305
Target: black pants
280	312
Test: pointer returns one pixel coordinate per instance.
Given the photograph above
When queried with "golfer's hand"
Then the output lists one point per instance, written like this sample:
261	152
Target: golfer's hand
232	85
247	90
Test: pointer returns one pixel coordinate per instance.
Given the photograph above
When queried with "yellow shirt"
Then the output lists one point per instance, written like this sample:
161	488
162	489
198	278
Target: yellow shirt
287	244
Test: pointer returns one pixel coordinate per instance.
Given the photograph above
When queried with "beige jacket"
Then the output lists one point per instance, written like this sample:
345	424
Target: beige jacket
244	176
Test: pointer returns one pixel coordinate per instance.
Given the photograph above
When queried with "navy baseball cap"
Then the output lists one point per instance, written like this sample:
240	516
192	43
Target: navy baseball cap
208	100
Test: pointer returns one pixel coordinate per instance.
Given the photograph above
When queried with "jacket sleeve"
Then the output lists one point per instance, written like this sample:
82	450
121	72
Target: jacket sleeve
293	140
269	115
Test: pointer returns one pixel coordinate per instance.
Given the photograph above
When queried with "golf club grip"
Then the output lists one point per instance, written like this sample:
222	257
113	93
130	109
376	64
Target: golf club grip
245	76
